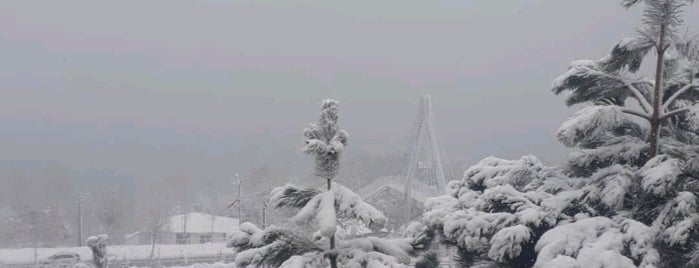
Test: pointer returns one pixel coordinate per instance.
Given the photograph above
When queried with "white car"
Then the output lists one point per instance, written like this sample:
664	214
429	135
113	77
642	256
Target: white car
62	259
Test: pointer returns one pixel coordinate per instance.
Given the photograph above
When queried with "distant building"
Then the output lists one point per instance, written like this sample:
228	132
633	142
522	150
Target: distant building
387	194
190	228
402	198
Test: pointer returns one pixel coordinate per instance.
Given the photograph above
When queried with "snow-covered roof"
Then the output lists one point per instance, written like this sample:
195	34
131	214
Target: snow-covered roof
200	223
393	182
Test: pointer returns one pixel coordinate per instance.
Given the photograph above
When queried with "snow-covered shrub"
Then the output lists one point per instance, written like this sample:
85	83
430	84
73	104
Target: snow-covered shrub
98	246
489	216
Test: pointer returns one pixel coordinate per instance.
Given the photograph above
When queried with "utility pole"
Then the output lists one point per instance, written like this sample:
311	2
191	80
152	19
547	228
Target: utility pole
264	214
184	223
81	199
32	218
240	199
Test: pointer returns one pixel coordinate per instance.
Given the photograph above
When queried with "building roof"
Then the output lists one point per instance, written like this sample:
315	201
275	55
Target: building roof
200	223
392	182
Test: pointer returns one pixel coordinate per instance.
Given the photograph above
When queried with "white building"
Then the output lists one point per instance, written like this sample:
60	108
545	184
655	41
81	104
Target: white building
190	228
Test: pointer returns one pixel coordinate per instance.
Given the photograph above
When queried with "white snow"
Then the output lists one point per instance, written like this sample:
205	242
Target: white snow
625	149
118	252
326	216
306	260
576	68
568	239
322	208
492	171
609	186
640	239
589	122
660	174
398	248
207	265
507	243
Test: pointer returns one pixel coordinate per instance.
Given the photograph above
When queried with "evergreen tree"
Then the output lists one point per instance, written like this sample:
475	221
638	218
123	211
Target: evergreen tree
325	141
293	245
604	86
628	195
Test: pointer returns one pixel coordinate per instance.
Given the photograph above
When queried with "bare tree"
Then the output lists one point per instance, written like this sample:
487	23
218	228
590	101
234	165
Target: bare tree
108	208
156	213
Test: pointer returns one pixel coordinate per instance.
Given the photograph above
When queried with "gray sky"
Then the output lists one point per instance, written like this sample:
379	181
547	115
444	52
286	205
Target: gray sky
147	87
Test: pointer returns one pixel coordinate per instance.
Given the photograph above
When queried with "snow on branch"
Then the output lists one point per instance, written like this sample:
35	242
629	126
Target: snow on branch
270	247
660	174
609	186
358	258
592	242
640	240
323	206
505	198
679	92
312	259
507	243
587	82
471	228
678	219
628	53
399	248
325	140
621	150
291	196
351	205
589	122
493	171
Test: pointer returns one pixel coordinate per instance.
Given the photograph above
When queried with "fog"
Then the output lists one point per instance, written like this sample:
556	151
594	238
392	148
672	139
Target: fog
129	93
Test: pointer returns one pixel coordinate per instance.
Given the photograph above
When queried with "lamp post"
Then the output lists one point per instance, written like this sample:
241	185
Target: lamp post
239	182
264	214
82	198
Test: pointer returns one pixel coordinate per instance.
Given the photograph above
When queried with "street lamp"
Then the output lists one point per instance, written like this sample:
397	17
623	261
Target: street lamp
264	214
239	182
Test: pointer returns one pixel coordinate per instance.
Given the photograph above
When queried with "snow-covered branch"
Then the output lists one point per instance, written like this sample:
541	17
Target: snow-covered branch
645	105
340	201
636	113
675	112
643	102
672	98
291	196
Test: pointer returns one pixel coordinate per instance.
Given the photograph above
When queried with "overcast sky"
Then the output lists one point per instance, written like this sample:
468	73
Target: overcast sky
146	87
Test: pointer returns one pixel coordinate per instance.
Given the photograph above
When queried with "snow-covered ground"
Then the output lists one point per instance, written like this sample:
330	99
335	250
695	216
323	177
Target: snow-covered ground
207	265
117	252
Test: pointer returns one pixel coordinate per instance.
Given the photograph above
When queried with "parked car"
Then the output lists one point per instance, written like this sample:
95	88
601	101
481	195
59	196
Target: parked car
64	259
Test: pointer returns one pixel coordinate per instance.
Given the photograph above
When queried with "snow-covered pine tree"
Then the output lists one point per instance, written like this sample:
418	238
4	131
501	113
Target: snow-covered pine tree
293	246
98	246
657	144
627	198
325	141
607	128
289	246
